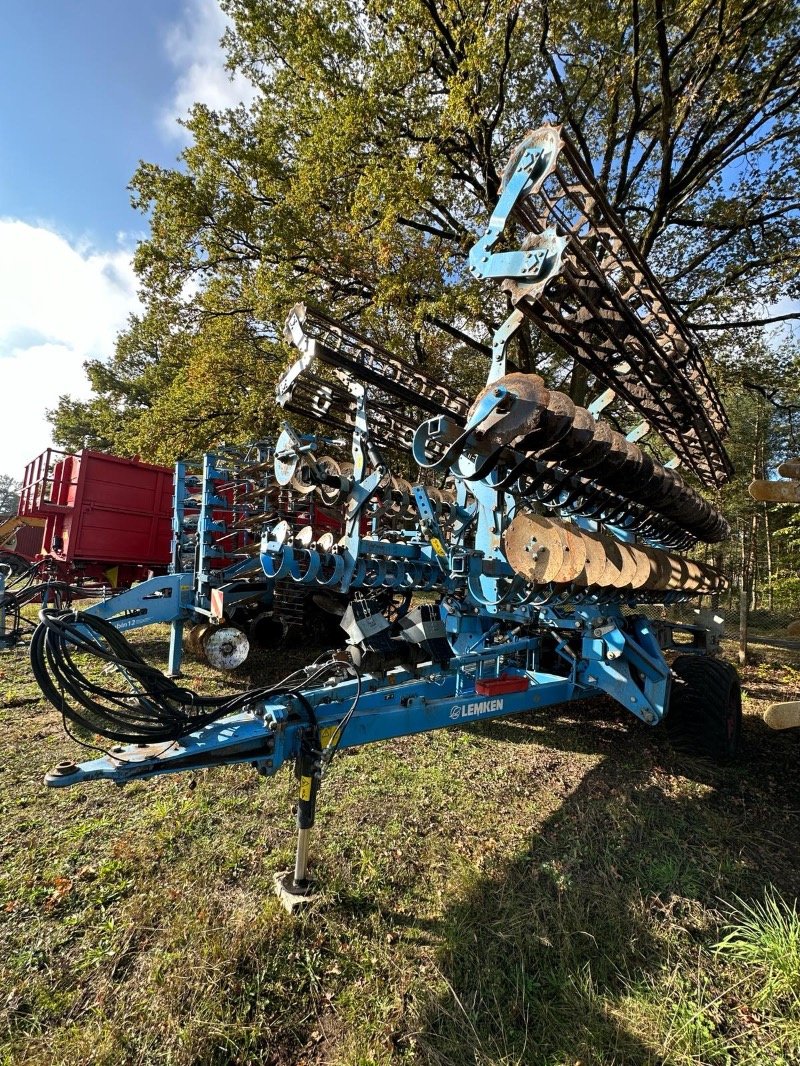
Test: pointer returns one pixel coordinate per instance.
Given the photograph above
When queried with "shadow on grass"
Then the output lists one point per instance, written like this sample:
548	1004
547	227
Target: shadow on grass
558	955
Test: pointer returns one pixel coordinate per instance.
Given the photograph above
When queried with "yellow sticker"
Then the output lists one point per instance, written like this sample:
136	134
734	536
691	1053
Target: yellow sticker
305	788
436	544
327	734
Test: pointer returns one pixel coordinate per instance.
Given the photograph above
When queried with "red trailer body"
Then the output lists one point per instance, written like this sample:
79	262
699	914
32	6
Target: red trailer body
107	518
25	541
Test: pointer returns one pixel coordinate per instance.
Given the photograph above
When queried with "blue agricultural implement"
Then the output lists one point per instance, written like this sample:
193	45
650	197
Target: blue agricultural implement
107	524
515	575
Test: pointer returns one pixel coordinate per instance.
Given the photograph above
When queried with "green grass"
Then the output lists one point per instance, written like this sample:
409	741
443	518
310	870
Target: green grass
551	889
765	936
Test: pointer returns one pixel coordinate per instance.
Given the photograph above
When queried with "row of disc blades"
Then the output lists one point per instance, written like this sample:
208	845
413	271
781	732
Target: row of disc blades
546	424
395	499
545	550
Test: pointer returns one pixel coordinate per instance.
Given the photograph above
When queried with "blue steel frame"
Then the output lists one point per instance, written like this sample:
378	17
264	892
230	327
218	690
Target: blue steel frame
600	650
513	648
403	702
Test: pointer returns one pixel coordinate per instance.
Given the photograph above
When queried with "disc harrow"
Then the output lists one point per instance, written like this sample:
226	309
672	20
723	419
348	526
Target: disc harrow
534	526
592	293
549	551
543	447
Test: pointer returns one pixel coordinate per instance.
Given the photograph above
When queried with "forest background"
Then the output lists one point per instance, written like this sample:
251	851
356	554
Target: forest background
368	163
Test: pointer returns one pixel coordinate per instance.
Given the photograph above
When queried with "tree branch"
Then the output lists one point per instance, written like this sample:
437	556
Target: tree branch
792	316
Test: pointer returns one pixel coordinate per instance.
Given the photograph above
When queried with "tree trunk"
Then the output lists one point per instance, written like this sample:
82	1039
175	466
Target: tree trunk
578	384
744	600
768	532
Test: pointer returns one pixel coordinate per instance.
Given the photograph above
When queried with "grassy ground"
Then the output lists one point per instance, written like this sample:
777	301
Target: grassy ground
547	889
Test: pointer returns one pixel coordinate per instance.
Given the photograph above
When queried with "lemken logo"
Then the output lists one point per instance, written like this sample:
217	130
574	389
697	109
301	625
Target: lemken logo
473	710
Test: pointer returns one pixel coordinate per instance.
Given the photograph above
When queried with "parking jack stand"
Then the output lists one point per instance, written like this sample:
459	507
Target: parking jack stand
294	887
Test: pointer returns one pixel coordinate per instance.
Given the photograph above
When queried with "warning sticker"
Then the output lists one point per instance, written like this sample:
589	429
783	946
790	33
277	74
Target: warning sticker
327	734
305	788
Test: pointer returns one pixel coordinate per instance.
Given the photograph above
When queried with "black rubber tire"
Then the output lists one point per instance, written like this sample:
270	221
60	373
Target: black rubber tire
17	564
705	708
268	631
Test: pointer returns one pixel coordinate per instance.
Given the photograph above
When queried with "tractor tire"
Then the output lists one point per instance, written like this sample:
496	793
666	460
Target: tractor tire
705	709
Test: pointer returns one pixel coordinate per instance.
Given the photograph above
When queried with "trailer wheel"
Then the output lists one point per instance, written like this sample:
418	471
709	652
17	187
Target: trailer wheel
705	708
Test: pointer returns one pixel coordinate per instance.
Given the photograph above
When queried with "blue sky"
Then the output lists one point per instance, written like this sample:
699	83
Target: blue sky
85	86
87	89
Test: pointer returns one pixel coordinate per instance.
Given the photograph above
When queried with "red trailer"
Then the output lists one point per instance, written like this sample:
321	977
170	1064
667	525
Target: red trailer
20	541
107	520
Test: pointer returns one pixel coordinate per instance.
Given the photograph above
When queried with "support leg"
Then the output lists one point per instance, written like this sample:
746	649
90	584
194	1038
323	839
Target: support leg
175	648
294	887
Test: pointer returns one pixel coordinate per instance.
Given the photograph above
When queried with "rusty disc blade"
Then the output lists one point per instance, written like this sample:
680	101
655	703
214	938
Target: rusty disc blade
695	578
528	398
620	566
301	479
595	564
675	577
659	568
714	580
574	554
628	565
642	574
534	547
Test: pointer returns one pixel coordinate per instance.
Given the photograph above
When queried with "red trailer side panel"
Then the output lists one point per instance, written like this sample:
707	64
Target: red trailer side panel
26	542
100	508
111	510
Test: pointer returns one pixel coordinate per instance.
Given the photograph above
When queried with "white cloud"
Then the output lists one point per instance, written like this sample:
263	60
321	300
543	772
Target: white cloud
60	304
193	47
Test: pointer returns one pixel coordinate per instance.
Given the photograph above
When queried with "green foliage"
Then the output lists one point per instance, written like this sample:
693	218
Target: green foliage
366	166
9	494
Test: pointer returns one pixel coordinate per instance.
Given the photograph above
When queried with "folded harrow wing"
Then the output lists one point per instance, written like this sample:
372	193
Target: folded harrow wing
513	575
216	597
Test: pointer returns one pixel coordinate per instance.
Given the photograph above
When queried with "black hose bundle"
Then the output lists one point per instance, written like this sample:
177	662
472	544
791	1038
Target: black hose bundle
16	597
150	708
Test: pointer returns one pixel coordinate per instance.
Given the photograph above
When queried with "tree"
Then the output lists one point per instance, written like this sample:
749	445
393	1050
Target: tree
9	494
366	167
